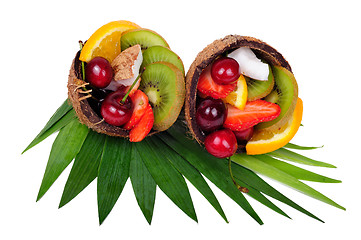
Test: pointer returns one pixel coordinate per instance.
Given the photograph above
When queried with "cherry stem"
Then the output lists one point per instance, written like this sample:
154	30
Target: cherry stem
131	87
240	188
82	63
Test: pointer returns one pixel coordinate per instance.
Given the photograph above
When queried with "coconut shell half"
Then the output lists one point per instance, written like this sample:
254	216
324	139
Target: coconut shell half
207	56
84	111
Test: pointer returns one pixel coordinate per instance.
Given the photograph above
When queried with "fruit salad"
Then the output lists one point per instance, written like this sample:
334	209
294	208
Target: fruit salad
243	102
127	82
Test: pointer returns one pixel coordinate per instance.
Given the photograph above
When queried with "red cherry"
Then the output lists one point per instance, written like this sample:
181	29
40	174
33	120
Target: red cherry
225	70
221	143
211	114
114	111
244	136
99	72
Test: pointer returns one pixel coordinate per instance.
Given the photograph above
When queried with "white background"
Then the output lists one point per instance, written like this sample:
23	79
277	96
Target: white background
321	41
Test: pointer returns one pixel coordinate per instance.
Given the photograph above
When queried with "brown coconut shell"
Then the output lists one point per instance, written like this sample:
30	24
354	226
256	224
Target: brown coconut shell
84	111
207	56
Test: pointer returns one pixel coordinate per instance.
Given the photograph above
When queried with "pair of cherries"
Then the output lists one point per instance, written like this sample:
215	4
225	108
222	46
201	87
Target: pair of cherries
211	113
115	109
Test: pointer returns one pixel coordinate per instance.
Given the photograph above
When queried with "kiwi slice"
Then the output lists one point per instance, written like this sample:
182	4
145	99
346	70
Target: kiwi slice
163	83
144	37
258	89
273	96
161	53
285	95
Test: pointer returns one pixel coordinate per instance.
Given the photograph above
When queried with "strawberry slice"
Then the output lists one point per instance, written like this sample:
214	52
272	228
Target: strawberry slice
207	86
143	127
140	103
254	112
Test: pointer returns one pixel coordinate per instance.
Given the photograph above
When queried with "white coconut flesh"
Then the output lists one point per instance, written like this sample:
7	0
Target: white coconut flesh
249	64
135	69
135	66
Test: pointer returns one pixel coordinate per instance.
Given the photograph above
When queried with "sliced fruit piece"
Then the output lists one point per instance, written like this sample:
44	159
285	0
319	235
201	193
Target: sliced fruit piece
272	97
143	127
254	112
140	103
163	54
144	37
163	83
105	41
259	89
210	88
287	89
249	64
238	97
265	141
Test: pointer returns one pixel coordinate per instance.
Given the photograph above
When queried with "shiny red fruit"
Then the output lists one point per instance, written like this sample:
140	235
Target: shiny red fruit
99	72
211	114
114	111
221	143
225	70
244	136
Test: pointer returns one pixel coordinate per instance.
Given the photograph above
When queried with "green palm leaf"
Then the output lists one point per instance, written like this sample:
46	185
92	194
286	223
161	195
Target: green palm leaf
169	180
294	171
190	173
298	158
249	177
113	173
258	196
211	167
163	160
85	168
144	186
298	147
260	167
65	147
60	118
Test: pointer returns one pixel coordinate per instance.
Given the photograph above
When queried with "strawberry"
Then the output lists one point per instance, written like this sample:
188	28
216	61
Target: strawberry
254	112
143	127
208	87
140	103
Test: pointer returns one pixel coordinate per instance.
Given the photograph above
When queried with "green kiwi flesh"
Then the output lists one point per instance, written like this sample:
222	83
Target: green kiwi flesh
272	97
287	94
161	53
163	83
144	37
258	89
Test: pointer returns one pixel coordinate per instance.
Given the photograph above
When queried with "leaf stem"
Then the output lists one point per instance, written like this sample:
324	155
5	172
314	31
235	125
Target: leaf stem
82	63
131	87
240	188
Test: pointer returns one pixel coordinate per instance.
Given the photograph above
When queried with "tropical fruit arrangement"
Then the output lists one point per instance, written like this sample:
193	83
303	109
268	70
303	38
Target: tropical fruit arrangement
242	103
132	81
133	113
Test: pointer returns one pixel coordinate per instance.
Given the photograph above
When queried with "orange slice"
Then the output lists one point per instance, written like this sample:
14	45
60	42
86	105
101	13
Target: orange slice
238	97
105	42
265	141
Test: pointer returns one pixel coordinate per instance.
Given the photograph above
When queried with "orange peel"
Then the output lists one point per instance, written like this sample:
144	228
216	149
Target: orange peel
265	140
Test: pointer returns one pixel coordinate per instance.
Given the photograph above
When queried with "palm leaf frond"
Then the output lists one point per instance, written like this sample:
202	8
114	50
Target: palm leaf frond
112	174
191	173
60	118
289	155
254	164
85	167
144	186
65	147
165	160
169	180
298	147
212	168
